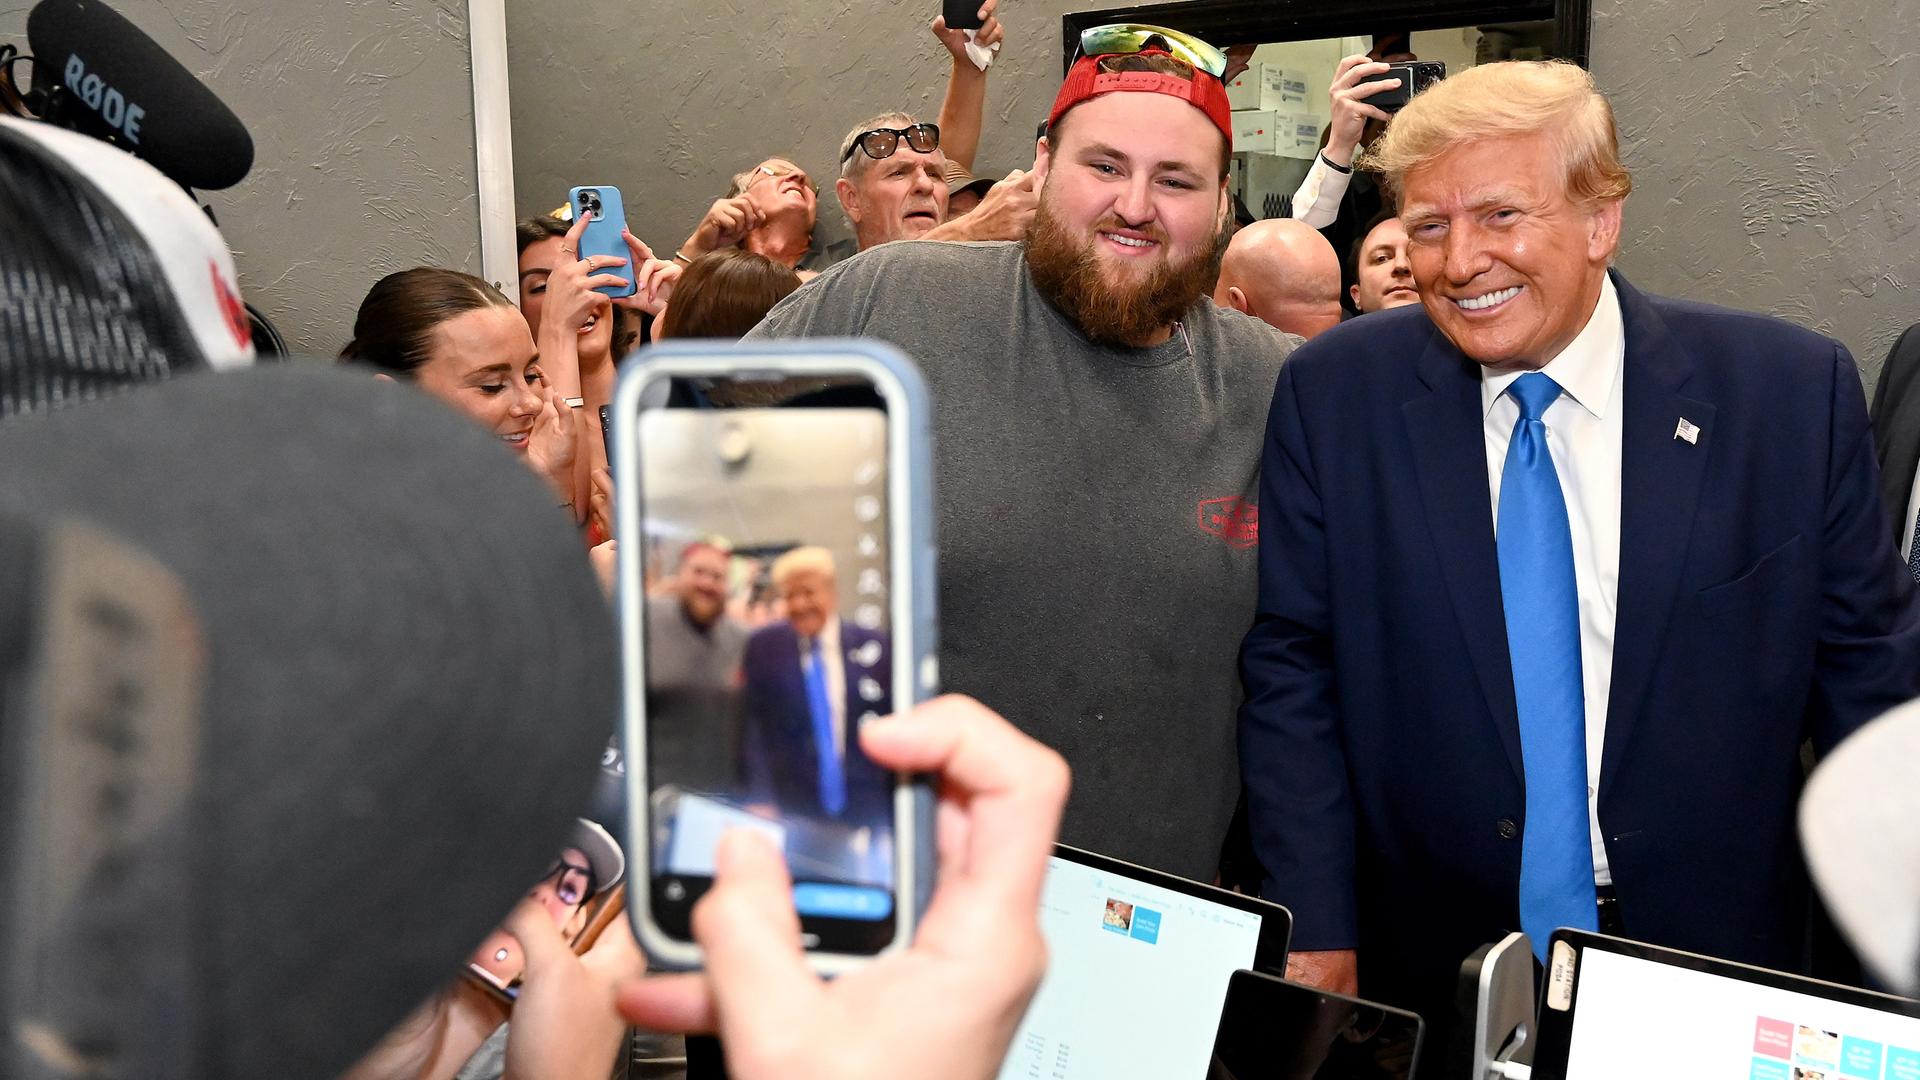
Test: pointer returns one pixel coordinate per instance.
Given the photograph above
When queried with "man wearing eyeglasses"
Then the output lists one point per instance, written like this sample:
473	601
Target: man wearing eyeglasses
893	186
769	210
1097	434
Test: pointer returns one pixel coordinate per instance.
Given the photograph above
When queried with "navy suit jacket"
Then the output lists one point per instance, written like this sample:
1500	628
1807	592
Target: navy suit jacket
1760	603
777	751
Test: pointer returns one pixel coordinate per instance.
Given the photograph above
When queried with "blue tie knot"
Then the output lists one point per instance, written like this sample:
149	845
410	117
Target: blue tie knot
1534	392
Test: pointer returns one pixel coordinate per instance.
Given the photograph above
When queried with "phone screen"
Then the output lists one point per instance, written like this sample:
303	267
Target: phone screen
767	642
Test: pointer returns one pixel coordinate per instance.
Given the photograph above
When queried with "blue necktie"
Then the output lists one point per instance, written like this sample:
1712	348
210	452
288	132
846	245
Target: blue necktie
1543	641
833	781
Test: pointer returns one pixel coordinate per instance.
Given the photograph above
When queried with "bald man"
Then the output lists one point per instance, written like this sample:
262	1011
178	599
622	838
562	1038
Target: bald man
1284	273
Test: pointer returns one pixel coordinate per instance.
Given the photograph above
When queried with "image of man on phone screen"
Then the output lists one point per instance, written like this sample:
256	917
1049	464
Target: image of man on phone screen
809	679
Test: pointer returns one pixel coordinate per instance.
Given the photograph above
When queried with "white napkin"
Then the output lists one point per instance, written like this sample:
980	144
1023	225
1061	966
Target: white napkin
982	56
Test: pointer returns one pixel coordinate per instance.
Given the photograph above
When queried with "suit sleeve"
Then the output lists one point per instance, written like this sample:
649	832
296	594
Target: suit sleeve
1869	652
756	756
1293	765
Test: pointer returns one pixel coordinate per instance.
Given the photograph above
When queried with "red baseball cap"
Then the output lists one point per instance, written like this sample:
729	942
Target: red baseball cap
1202	91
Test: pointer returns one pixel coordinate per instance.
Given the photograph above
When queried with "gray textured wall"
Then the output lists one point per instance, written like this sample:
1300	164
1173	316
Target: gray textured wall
1774	146
667	99
1773	141
362	120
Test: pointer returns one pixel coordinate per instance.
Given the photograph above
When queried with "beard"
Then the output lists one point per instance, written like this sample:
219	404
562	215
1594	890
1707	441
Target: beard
1131	311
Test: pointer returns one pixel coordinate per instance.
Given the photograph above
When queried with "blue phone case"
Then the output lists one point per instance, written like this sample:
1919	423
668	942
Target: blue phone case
603	235
910	417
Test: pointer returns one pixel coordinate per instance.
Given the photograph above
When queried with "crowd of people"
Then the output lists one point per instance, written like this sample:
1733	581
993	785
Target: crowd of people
1401	543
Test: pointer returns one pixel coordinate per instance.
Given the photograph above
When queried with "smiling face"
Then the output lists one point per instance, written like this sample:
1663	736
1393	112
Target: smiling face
482	362
1131	206
536	263
701	582
1507	264
895	198
810	600
1384	274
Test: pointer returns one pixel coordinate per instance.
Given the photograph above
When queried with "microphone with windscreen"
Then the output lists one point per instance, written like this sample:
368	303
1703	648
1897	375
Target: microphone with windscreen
97	73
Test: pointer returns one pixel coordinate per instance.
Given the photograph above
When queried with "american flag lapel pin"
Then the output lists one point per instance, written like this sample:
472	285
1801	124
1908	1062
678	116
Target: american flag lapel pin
1687	430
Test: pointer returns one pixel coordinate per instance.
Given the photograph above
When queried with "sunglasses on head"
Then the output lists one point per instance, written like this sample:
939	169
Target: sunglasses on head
1139	37
880	143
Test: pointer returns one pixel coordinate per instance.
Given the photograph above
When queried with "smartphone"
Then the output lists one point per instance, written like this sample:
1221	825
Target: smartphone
1414	76
606	432
606	217
1271	1027
962	14
807	464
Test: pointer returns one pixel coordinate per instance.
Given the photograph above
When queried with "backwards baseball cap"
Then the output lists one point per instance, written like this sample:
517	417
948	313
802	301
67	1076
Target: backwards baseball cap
1106	67
302	681
118	276
1860	829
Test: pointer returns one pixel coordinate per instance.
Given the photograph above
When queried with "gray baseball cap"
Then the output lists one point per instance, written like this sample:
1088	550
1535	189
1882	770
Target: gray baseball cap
306	680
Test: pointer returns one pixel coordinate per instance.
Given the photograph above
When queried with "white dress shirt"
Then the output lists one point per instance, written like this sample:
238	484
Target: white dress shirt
836	663
1317	200
1913	515
1584	428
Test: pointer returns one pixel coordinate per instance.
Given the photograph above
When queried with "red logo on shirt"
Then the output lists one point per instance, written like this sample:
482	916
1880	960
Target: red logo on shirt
1232	519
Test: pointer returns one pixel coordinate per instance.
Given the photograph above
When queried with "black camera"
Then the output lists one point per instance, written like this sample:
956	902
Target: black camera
590	204
1414	76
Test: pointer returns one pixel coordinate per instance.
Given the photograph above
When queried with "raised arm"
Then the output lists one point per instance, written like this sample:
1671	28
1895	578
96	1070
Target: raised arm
966	100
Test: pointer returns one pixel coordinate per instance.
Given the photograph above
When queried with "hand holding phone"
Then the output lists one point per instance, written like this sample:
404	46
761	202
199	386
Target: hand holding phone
744	717
951	1003
605	215
962	14
1413	75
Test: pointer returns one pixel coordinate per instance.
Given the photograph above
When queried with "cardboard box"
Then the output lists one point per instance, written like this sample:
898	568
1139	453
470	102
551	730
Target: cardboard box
1297	135
1248	89
1283	89
1255	131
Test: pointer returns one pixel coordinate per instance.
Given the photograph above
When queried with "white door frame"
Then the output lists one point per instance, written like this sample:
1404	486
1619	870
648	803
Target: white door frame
493	143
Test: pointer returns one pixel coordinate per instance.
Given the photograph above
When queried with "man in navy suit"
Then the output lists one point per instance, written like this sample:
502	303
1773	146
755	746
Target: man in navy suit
1556	578
809	680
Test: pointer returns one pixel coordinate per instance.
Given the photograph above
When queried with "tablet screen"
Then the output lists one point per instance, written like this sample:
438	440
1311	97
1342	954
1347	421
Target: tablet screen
1637	1017
1136	977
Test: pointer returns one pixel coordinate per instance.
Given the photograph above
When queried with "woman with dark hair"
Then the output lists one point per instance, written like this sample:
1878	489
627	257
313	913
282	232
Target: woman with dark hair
724	294
577	329
459	339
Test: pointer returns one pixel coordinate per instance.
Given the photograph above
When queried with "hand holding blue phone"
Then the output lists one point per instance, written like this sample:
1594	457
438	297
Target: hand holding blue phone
600	220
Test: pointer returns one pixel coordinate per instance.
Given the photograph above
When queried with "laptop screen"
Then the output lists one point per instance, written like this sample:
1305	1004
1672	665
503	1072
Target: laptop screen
1136	976
1638	1017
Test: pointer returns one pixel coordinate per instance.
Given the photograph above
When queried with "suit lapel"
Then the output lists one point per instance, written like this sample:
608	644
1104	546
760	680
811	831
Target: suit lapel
1660	478
1896	429
1447	429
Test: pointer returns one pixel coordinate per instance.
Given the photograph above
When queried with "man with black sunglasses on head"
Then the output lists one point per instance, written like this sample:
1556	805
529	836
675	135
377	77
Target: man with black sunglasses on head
893	187
1097	436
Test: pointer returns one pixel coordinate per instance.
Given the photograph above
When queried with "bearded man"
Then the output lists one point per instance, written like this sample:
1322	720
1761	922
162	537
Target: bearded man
1097	430
694	652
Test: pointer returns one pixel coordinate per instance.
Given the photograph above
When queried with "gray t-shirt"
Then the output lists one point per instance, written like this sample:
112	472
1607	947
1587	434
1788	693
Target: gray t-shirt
1096	530
693	697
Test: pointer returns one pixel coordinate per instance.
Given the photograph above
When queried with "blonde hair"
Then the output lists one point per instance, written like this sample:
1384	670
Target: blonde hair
1512	98
802	560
